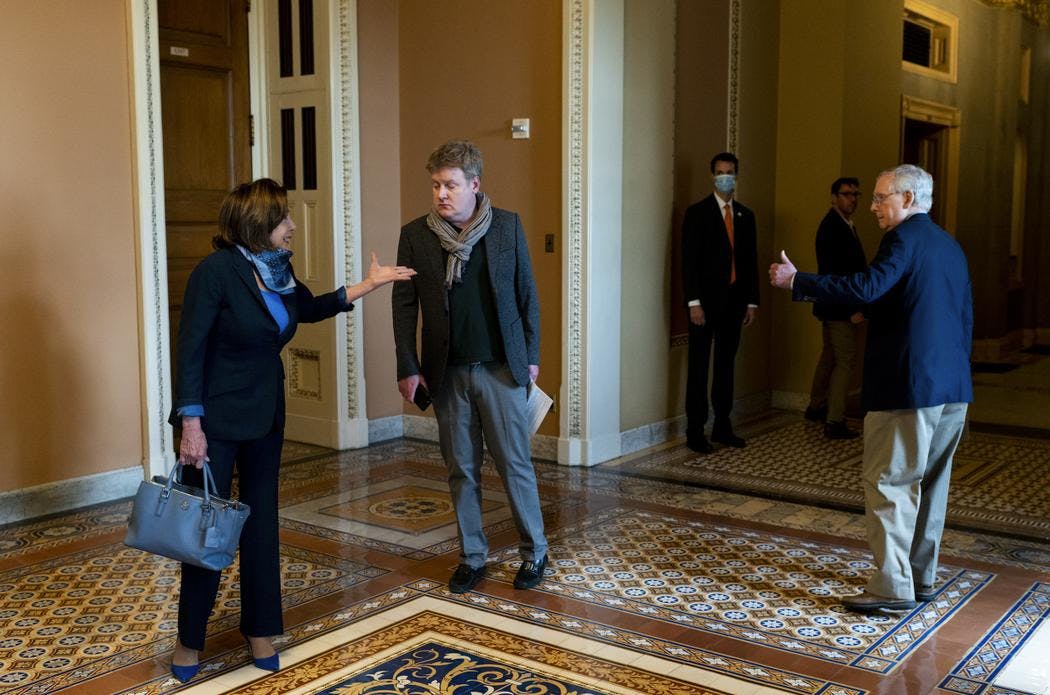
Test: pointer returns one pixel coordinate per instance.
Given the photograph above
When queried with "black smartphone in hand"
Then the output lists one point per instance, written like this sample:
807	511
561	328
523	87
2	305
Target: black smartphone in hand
422	398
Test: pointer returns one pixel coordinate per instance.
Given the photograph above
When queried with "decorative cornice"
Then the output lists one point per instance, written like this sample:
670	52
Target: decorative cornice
1037	11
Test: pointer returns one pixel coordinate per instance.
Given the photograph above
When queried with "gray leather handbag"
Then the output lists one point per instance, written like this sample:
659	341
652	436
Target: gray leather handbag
186	523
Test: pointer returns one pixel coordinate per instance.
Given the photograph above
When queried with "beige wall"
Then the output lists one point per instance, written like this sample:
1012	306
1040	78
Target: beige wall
757	142
811	71
838	114
647	213
467	69
377	52
69	343
700	123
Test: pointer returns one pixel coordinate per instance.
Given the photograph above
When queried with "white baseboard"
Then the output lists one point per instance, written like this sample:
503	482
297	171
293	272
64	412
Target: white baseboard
63	495
420	427
652	434
384	428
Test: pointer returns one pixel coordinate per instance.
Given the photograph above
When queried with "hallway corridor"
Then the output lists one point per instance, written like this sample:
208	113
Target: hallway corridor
658	583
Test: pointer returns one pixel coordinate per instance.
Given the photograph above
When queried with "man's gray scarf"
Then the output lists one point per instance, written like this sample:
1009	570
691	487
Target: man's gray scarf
460	242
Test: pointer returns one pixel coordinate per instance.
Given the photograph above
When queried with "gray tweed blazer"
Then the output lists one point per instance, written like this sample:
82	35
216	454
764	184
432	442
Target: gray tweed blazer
513	290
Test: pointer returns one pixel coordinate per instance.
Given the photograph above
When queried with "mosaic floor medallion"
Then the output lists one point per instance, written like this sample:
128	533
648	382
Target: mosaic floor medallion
428	647
759	587
407	514
411	509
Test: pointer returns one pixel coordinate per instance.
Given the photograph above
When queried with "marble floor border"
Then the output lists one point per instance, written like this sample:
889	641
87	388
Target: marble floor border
976	672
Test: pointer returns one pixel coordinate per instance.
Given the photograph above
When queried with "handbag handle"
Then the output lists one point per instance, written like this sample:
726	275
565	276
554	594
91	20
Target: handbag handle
176	472
208	518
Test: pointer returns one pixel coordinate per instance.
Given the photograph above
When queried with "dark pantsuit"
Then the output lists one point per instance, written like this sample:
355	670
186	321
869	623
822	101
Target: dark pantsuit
724	331
258	462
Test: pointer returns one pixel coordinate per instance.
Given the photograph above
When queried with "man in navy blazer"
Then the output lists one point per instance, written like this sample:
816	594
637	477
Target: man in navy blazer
480	352
916	382
720	280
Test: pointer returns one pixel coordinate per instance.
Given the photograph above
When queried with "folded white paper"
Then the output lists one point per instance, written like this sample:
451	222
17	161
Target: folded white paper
537	405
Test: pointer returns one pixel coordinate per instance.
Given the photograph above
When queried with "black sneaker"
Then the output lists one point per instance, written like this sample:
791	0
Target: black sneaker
817	414
530	574
464	578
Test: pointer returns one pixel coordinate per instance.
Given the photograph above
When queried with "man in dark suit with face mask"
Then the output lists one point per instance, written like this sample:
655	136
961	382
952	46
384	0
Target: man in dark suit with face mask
720	278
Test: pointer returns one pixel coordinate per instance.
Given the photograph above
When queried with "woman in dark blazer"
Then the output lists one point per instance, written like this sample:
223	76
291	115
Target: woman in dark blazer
243	304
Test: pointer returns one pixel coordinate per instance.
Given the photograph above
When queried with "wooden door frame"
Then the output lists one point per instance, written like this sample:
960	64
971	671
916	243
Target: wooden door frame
950	117
149	215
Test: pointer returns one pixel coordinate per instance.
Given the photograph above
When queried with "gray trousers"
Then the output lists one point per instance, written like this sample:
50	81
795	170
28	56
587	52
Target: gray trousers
834	370
478	403
906	470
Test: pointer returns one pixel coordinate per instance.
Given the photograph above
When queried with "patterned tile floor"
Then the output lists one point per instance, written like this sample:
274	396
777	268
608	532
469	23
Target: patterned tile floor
656	585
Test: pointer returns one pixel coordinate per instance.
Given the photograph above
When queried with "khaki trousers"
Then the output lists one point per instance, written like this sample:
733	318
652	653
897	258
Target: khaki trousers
906	470
835	369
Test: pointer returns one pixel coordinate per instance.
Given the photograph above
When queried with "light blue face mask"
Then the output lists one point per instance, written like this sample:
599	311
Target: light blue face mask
725	183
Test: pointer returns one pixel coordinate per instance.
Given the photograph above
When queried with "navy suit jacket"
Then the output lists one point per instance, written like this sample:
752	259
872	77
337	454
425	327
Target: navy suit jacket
920	316
513	292
229	347
707	256
839	252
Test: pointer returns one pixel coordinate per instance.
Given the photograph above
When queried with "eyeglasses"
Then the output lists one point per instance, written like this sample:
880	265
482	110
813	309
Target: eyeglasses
849	194
879	198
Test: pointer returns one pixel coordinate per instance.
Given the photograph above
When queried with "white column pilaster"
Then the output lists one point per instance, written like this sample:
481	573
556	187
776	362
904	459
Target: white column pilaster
346	220
151	250
593	166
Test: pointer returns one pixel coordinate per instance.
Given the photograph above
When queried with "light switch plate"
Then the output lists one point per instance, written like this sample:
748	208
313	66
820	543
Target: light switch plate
519	128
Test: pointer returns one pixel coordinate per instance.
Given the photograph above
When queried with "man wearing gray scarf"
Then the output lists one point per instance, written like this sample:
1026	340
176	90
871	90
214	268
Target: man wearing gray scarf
480	351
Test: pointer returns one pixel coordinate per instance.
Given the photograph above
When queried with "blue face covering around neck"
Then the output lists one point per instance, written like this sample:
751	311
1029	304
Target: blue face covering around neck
273	268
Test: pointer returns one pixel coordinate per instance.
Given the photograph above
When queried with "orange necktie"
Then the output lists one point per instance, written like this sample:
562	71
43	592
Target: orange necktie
732	242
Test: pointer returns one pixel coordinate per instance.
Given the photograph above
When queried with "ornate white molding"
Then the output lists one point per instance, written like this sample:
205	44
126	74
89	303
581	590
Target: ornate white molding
347	170
574	228
151	248
732	106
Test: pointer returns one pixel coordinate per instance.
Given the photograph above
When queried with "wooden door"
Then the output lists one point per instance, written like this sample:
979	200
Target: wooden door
206	127
925	145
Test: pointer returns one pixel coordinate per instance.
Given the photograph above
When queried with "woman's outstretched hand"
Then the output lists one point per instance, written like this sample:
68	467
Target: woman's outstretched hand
378	275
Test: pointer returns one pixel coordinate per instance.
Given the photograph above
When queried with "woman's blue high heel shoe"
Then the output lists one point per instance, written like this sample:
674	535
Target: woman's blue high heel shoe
267	663
184	673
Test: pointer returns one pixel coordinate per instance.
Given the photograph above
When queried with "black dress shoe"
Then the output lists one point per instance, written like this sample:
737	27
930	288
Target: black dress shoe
464	578
871	603
817	414
728	438
925	592
699	444
530	573
838	430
